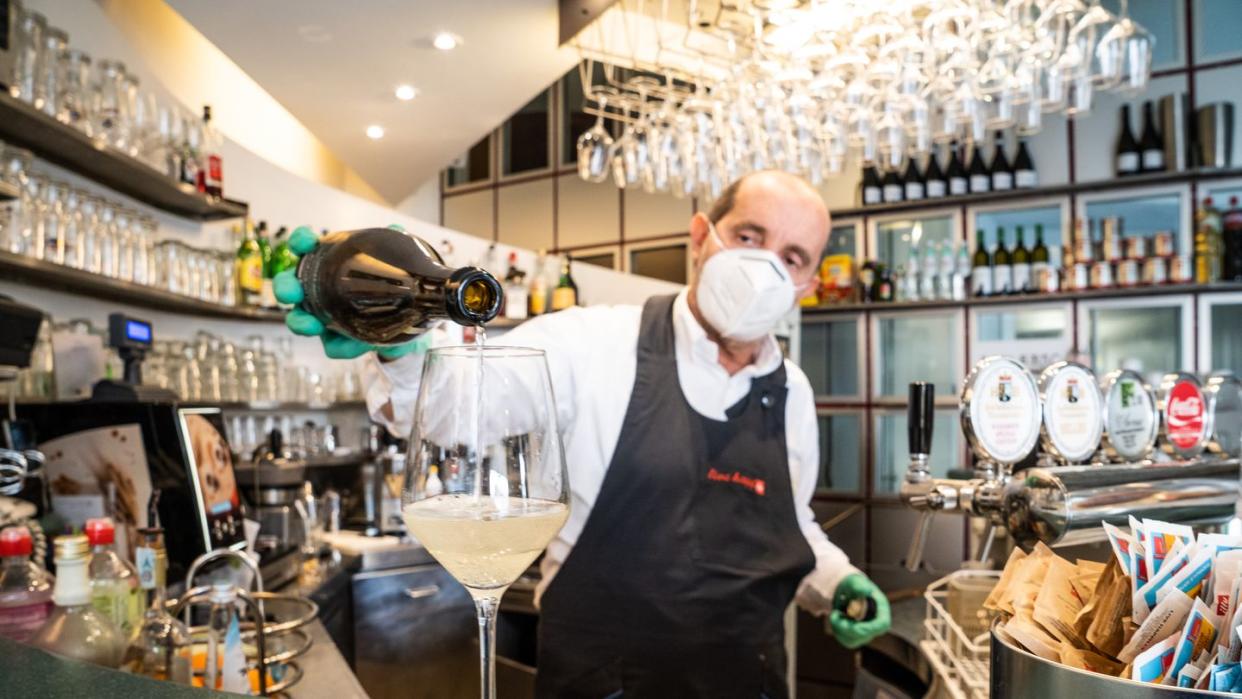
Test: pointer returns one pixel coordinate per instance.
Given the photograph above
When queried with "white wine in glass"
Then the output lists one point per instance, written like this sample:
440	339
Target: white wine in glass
486	488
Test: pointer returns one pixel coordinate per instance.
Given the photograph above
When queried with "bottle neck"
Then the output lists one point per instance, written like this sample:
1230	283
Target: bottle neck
73	583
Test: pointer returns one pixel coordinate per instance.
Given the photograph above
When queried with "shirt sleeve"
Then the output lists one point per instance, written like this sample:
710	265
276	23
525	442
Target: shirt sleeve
802	435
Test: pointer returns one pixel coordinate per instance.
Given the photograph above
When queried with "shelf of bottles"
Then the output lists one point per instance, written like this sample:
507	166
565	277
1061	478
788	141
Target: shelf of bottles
23	125
56	277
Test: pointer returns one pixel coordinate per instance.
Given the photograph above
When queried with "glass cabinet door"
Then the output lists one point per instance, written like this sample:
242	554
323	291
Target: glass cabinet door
1048	219
896	237
917	346
1151	336
840	451
1036	335
843	239
1142	214
832	358
892	455
1220	333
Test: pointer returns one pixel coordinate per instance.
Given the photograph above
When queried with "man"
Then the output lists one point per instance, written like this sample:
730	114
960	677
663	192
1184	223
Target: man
693	455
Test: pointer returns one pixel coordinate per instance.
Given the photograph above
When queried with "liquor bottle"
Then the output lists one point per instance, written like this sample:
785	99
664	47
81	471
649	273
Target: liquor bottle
515	291
25	588
267	298
383	286
1024	174
114	581
213	164
565	294
928	269
1021	262
1209	251
893	188
249	267
913	181
1128	157
961	274
1002	269
872	190
867	280
1231	242
980	177
1002	173
944	283
190	171
1151	143
1041	266
959	182
538	289
884	289
981	268
160	648
935	183
76	629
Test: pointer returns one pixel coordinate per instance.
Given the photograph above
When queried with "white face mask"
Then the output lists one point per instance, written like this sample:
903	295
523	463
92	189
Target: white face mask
743	292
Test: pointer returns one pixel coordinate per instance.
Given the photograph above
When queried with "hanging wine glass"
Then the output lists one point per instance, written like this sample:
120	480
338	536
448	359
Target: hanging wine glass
595	145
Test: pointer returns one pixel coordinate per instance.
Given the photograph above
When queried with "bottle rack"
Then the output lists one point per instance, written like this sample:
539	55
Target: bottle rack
23	125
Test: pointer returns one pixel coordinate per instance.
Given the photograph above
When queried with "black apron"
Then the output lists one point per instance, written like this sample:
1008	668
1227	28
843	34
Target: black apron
679	581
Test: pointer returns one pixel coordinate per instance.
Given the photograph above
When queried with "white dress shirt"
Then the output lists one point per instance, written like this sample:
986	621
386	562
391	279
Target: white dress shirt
592	356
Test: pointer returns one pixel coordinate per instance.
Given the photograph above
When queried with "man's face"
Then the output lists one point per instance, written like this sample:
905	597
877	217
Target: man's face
773	211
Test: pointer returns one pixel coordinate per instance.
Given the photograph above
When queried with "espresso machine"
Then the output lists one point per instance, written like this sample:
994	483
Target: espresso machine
1109	449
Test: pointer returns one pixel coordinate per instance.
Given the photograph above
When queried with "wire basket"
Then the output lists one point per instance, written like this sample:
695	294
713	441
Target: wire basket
958	655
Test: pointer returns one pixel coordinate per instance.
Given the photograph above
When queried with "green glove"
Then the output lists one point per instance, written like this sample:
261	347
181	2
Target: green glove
337	346
851	633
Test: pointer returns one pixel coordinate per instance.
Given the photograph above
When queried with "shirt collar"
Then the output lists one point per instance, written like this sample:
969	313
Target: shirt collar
694	346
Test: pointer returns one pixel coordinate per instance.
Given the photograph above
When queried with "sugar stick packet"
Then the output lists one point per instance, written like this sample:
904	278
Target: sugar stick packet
1121	543
1089	661
1224	677
1003	590
1188	676
1197	635
1152	664
1058	602
1145	599
1191	578
1107	612
1228	566
1164	621
1030	636
1138	567
1161	538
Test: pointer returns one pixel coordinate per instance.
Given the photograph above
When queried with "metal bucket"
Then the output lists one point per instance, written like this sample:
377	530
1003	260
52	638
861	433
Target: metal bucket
1017	673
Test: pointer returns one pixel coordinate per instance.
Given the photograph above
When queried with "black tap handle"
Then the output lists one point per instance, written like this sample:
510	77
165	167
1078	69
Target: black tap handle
919	424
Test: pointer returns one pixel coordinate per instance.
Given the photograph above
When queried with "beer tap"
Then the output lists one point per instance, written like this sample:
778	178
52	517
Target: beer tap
920	490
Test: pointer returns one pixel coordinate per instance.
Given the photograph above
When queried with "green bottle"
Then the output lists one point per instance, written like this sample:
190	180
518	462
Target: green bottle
981	268
266	297
249	267
283	258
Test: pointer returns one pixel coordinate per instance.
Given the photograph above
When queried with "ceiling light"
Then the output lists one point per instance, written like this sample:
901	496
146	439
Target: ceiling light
444	41
405	93
375	132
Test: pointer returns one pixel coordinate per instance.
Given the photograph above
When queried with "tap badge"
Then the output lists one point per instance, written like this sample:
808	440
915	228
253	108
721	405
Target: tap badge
1185	415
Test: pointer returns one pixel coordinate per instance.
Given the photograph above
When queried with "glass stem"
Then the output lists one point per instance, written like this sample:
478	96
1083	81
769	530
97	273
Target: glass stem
486	608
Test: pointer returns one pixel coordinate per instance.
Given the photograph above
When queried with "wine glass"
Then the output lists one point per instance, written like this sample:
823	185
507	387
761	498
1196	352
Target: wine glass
595	145
486	487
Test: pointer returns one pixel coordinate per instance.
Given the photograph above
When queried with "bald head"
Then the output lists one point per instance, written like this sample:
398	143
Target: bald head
767	180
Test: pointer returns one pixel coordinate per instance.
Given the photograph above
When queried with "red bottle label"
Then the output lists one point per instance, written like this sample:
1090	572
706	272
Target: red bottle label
1184	415
19	623
215	170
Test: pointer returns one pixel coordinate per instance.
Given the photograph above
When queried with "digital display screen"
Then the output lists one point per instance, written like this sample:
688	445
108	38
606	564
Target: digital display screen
138	331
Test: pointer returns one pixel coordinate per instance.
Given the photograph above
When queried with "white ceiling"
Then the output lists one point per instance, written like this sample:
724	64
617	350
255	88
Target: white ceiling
335	64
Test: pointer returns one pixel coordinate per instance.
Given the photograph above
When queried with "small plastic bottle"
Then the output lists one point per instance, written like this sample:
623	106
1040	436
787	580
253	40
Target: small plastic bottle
76	629
114	580
25	588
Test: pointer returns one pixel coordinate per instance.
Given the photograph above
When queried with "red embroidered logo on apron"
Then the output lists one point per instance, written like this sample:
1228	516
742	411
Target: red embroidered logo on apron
755	485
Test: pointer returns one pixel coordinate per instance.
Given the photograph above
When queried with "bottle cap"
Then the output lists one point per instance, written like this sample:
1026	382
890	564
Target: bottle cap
222	593
100	531
71	547
16	541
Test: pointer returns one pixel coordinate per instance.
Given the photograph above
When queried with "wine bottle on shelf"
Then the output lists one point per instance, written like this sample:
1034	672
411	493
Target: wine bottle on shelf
1128	158
1021	262
956	173
935	184
1024	175
913	181
384	287
1001	171
1151	143
872	190
893	188
515	304
1002	268
1041	266
981	268
980	177
565	295
213	163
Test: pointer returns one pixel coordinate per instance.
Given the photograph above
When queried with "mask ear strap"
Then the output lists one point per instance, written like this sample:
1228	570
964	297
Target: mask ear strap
711	227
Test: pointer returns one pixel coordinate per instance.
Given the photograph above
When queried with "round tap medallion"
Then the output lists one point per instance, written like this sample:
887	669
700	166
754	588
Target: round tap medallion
1186	422
1131	420
1072	412
1000	410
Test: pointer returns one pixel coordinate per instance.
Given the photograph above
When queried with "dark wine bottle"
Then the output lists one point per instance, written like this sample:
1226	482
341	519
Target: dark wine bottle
980	177
1151	144
958	182
981	268
1128	156
935	184
383	286
1002	269
893	188
1020	261
913	181
1002	173
1024	175
872	190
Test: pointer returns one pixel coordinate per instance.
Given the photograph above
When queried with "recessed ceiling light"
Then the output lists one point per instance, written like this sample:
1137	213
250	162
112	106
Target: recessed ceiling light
444	41
405	93
375	132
